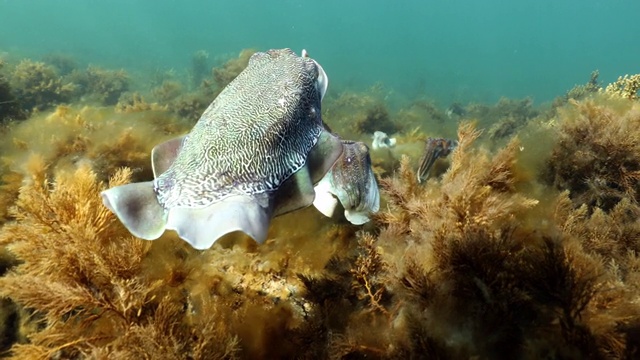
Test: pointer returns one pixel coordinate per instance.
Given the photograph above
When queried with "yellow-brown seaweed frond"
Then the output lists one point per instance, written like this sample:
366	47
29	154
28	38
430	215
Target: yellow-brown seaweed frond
83	278
472	276
354	114
38	86
625	87
579	92
596	155
98	136
134	102
105	86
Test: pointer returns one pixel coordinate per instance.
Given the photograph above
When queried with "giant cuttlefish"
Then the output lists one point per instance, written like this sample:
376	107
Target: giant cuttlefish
244	162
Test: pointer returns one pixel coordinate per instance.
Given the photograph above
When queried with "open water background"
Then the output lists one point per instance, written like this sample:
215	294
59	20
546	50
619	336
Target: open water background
447	50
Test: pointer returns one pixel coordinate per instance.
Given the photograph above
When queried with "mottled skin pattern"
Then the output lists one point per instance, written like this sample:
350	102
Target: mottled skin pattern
347	175
255	134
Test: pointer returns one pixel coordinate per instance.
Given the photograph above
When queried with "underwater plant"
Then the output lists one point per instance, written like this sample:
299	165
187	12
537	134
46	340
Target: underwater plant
603	139
626	87
359	113
134	102
200	68
503	119
63	63
525	246
581	91
105	86
37	86
80	280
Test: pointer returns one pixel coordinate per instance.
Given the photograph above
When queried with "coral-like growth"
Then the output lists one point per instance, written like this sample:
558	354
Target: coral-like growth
625	87
596	156
37	86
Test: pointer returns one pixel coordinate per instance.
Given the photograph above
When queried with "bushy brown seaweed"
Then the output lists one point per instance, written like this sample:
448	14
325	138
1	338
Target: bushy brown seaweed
9	106
359	114
596	155
81	280
102	85
38	86
481	262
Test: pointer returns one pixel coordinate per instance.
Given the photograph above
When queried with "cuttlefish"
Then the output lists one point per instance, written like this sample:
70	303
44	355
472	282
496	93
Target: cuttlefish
351	183
255	153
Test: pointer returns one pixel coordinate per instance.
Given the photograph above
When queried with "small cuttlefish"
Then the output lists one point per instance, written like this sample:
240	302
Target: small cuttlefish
255	153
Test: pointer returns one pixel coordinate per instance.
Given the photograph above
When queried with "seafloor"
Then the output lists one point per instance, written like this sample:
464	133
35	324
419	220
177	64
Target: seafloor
523	244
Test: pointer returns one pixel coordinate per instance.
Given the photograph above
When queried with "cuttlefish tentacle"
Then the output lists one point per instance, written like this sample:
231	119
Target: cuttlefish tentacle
350	183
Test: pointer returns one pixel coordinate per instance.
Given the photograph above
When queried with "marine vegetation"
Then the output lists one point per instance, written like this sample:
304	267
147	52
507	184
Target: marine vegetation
596	155
200	67
626	87
9	107
504	118
522	248
100	85
581	91
38	86
358	114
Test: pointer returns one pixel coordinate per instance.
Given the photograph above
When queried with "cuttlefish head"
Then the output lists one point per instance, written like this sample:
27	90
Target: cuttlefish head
351	183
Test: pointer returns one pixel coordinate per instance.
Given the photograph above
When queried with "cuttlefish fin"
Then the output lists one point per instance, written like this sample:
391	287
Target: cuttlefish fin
325	200
201	227
295	193
163	155
137	208
323	155
369	203
323	81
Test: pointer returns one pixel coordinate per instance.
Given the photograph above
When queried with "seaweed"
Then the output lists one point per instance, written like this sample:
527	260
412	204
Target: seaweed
625	87
504	118
38	86
200	67
502	255
63	63
105	86
9	106
596	155
96	305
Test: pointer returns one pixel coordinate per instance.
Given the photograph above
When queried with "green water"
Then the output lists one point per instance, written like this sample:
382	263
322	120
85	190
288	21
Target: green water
447	50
